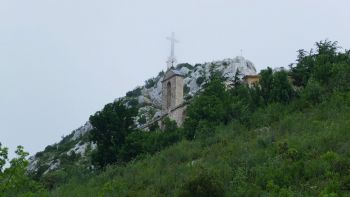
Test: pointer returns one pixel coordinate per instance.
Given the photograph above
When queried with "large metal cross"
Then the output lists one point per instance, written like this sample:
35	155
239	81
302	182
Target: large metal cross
172	59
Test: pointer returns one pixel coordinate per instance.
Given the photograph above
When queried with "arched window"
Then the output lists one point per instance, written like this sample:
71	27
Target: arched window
168	95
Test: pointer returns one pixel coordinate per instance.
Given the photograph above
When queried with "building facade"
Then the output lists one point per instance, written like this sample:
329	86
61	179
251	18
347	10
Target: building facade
173	105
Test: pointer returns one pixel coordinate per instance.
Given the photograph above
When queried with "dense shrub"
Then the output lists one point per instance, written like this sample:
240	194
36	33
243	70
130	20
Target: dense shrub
150	83
202	185
186	89
200	80
134	93
313	93
209	106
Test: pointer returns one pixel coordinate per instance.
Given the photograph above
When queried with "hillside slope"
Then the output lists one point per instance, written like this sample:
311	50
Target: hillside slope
286	151
75	149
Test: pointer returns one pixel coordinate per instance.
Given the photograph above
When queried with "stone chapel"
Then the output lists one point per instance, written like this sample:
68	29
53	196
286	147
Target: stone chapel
173	105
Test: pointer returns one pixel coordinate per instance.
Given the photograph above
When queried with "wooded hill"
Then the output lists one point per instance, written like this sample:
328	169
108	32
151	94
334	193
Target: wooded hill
287	136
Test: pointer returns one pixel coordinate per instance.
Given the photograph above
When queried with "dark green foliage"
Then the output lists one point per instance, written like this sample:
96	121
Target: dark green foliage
118	141
169	125
302	71
134	145
202	185
298	154
50	148
243	101
266	84
160	74
282	90
186	89
313	92
275	86
134	93
200	80
110	129
133	102
154	126
341	79
237	78
209	107
150	83
139	143
327	66
217	104
142	119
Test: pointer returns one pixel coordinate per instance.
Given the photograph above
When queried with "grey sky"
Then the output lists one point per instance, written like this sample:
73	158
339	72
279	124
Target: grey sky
62	60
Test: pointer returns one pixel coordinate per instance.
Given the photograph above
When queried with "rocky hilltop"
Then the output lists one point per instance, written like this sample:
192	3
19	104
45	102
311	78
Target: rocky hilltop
77	146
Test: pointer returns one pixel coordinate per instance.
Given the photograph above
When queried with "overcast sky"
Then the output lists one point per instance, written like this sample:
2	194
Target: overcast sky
62	60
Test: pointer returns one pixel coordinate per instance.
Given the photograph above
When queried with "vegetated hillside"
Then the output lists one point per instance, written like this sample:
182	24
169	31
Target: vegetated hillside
76	148
286	151
286	136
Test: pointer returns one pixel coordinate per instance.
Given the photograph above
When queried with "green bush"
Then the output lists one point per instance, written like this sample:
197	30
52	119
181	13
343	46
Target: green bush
142	119
202	185
200	80
209	106
134	93
150	83
313	93
186	89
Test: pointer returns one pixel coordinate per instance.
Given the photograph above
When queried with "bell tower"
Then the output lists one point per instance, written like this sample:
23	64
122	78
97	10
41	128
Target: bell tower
172	90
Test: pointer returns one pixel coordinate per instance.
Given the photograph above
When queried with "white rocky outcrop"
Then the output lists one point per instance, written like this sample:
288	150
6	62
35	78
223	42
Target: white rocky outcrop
53	165
82	130
33	164
80	149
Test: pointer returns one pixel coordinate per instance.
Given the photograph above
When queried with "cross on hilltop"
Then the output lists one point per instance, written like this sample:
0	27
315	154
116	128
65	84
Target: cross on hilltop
172	59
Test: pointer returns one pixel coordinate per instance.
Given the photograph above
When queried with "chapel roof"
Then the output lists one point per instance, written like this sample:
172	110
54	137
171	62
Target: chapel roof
171	73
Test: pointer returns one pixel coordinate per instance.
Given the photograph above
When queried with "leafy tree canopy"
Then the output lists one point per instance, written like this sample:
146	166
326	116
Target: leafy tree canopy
110	128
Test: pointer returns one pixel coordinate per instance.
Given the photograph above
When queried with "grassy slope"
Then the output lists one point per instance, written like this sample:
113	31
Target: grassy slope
294	152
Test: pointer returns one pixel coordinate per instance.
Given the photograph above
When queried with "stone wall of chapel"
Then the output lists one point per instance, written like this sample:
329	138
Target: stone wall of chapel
176	93
179	88
175	111
178	115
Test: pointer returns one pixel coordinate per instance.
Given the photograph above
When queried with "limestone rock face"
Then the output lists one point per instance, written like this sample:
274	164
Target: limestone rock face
81	130
228	67
195	77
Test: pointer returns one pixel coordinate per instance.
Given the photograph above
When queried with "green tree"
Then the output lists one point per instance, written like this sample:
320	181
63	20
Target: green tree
169	125
209	106
14	180
282	90
275	86
110	129
303	69
317	65
266	83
